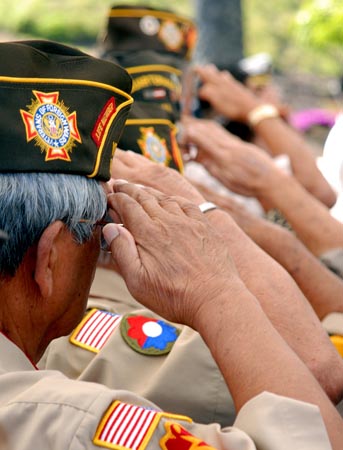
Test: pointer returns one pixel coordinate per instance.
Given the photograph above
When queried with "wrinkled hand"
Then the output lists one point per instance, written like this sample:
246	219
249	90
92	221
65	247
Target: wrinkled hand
170	257
241	167
244	219
226	95
139	169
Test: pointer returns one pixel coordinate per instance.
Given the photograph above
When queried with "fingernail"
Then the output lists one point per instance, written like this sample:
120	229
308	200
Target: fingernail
140	185
110	232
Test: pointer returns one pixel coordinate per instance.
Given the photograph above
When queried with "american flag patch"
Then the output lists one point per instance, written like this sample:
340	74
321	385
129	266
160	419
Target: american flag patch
126	426
95	329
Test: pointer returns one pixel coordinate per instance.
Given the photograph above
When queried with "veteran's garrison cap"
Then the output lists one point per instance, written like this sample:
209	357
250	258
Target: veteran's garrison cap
61	110
155	79
156	87
132	28
151	131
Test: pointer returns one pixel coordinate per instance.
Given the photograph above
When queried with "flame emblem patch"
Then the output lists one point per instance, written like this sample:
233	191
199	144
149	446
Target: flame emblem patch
49	123
179	438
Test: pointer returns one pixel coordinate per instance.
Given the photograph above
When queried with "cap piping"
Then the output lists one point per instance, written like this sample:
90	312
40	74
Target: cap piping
98	156
147	12
67	81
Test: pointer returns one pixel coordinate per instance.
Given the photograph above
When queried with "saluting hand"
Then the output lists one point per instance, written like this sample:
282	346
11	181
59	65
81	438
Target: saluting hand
169	255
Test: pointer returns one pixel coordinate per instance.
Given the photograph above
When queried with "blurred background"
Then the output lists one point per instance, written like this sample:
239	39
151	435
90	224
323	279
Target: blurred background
304	39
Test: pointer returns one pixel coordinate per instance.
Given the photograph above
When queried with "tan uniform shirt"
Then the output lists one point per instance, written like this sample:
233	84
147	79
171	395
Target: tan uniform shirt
45	410
186	380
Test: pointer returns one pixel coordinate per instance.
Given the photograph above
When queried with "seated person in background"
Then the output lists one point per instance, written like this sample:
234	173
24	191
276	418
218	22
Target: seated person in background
51	216
231	99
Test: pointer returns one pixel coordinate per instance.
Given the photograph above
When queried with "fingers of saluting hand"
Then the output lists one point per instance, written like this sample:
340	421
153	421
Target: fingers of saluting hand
129	158
134	204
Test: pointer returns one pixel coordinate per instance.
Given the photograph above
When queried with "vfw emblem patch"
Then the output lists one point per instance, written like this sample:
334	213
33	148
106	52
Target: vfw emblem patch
152	146
49	123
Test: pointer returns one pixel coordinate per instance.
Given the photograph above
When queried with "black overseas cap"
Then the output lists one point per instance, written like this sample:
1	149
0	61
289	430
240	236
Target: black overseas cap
151	131
132	28
61	110
151	125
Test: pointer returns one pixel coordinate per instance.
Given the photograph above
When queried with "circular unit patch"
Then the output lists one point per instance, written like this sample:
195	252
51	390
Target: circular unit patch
148	335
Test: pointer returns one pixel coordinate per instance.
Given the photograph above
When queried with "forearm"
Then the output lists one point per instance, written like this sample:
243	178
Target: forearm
310	219
320	286
280	138
266	365
282	301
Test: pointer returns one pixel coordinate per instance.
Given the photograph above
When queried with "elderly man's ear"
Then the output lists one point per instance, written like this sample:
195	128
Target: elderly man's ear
48	250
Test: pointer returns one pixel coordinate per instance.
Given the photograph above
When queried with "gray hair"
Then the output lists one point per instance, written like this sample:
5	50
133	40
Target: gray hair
29	202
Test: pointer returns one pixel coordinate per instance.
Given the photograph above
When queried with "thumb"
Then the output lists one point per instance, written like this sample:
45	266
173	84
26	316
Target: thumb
123	249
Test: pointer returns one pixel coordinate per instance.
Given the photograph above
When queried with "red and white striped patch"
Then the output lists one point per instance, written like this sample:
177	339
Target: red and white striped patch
126	426
95	329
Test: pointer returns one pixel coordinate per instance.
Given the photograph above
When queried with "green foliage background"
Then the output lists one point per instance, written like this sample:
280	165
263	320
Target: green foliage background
301	35
306	35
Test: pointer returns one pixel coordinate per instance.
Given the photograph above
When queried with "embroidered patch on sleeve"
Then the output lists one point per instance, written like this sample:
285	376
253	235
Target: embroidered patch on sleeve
147	335
95	329
129	427
178	438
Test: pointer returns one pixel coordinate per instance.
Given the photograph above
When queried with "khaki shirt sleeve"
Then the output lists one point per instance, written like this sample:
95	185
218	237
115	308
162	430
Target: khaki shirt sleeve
59	413
275	422
186	380
44	410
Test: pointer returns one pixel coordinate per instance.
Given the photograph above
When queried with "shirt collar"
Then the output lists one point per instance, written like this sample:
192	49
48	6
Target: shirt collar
13	359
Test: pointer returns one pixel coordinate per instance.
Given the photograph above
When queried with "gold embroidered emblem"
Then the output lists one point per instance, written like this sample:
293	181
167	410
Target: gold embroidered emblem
49	123
152	146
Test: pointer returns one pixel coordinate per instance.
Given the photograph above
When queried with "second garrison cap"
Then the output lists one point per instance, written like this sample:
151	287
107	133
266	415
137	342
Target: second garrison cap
61	110
156	87
132	28
150	131
155	79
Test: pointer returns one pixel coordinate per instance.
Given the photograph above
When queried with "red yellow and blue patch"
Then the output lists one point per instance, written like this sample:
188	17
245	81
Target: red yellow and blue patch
148	335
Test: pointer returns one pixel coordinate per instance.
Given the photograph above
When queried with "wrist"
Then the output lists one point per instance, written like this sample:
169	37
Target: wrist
273	188
218	298
262	112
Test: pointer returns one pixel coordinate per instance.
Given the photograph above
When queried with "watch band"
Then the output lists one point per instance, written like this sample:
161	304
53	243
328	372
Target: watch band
261	112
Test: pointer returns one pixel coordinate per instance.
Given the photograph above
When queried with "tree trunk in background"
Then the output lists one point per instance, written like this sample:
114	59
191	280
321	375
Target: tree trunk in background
220	39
